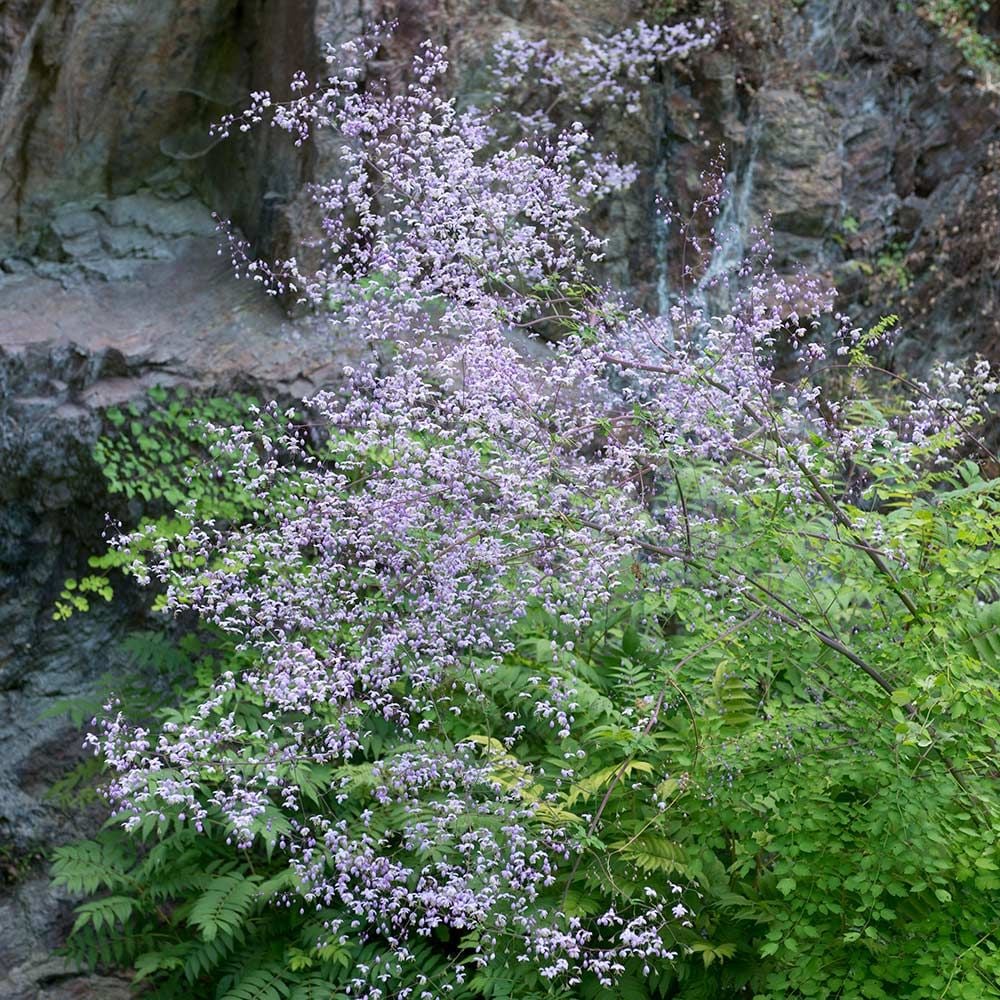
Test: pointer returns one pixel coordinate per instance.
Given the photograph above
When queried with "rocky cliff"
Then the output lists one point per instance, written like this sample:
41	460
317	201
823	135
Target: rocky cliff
858	127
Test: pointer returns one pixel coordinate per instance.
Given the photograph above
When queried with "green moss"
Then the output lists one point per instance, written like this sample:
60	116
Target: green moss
958	20
19	863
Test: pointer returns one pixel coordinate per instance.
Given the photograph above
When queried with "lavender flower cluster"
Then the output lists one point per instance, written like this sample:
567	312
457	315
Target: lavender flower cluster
431	200
443	865
612	71
475	469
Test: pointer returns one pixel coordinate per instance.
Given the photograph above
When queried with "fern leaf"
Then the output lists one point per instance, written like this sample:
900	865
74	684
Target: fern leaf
223	906
593	783
582	904
106	912
630	987
208	955
284	881
268	983
736	706
314	989
91	865
653	853
984	634
155	961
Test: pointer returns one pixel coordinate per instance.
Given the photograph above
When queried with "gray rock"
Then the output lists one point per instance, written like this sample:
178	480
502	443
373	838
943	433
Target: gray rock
69	222
158	216
797	173
83	246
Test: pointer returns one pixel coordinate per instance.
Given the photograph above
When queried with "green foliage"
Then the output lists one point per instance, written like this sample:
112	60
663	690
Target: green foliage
891	263
841	838
74	595
854	812
958	19
193	920
163	454
814	766
849	224
887	267
166	453
16	864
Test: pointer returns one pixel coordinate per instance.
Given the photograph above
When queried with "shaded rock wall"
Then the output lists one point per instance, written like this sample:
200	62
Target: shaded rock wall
103	97
856	126
873	147
96	93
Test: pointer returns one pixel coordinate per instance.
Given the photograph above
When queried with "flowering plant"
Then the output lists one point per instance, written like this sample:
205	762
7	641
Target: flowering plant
439	720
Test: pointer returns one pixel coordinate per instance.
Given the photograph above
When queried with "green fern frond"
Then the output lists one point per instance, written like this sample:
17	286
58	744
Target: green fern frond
653	853
91	865
284	881
314	988
577	903
984	635
104	913
224	905
156	961
112	945
736	706
205	956
267	983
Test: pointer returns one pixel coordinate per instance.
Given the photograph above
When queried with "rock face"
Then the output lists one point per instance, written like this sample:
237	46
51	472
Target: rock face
855	126
873	147
33	922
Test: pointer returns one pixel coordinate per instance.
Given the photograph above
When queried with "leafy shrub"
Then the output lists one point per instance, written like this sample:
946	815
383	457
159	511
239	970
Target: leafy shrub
833	838
166	454
657	658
